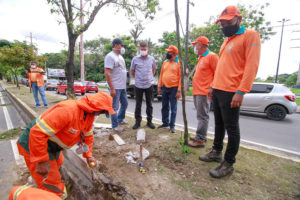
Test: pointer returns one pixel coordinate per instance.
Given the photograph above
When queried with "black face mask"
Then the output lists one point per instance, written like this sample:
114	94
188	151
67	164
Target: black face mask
168	56
229	31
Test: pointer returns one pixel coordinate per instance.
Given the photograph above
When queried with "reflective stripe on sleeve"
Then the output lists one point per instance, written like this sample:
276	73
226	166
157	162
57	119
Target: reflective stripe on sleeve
18	191
88	133
58	142
45	127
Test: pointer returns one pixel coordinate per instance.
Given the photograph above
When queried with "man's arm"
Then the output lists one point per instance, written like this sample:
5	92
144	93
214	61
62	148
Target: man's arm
107	73
132	73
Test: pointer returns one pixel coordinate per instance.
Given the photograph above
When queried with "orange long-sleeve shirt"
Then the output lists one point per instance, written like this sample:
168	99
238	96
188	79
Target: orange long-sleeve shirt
170	74
62	124
27	193
238	62
204	75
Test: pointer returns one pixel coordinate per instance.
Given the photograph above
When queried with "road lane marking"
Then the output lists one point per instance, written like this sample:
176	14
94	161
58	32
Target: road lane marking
6	115
19	159
245	141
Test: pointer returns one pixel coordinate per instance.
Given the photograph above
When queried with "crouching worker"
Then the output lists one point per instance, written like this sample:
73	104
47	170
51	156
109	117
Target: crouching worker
60	127
27	193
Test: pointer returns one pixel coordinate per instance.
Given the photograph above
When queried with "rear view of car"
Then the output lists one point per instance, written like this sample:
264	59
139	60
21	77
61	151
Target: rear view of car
51	84
273	99
79	88
91	86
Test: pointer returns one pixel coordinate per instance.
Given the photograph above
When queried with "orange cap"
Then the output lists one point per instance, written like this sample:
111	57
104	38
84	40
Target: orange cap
201	40
172	48
228	13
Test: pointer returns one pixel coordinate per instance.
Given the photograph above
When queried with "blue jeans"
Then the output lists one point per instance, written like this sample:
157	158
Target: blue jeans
121	97
169	99
35	90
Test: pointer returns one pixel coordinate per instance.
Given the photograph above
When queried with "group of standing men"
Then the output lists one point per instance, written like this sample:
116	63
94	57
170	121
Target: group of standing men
224	79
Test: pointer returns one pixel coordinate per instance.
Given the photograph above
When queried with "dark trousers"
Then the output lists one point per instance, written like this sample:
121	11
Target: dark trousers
169	99
138	105
226	118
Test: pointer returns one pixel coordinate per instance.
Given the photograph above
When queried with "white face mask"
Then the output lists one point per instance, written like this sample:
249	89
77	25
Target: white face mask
144	53
122	51
195	50
33	66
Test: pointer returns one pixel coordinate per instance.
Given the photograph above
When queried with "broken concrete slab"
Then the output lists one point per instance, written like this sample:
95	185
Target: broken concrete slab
101	125
118	139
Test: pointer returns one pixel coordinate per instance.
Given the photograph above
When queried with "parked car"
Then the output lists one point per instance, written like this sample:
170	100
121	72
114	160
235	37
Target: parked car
78	88
90	86
51	84
275	100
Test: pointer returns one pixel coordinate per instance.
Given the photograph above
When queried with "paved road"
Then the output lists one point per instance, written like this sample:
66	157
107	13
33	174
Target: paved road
255	128
9	117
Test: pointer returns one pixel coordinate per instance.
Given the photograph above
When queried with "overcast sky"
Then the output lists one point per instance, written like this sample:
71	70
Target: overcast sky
20	17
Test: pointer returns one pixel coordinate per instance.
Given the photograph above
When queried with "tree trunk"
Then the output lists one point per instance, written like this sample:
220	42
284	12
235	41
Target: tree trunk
182	76
70	66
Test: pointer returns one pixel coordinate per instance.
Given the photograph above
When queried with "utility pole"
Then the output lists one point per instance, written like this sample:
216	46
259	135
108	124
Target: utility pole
81	46
282	27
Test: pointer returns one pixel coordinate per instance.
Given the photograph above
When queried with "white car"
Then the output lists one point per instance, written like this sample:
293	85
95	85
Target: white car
274	99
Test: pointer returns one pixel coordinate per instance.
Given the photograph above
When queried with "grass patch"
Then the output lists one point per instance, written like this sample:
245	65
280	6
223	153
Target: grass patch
295	90
6	104
102	86
11	134
298	101
190	92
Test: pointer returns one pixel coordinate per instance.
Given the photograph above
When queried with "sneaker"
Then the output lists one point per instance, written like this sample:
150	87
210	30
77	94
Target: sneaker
46	106
136	126
196	144
223	169
172	130
162	126
150	125
123	123
118	129
37	106
213	155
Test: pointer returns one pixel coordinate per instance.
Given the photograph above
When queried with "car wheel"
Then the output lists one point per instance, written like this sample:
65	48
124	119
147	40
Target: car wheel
82	93
276	112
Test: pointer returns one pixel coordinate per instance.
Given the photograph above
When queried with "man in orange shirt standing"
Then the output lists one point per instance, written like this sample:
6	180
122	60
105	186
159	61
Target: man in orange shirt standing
236	70
202	81
169	85
36	82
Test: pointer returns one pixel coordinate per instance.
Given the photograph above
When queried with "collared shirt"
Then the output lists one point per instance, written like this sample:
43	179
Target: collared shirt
143	68
204	75
170	74
118	73
238	62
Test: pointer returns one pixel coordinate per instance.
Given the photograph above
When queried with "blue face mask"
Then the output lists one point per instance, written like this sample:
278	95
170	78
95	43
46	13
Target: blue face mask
168	56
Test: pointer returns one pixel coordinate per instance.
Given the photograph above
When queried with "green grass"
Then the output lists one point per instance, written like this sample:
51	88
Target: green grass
190	92
102	87
295	90
298	102
11	134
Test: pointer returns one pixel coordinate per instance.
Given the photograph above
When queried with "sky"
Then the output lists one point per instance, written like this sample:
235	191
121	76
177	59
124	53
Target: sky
19	18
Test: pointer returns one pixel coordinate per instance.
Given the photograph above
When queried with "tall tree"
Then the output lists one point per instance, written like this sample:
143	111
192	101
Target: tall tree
136	32
182	73
70	11
17	56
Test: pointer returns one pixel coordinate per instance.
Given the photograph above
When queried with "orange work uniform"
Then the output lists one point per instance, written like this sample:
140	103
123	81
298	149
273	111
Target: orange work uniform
36	75
29	193
238	62
170	74
60	128
204	75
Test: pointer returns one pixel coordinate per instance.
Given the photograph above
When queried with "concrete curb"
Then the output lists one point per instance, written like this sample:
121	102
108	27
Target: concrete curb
86	183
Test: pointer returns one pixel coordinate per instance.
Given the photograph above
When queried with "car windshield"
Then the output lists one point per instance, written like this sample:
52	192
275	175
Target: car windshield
52	81
78	83
92	83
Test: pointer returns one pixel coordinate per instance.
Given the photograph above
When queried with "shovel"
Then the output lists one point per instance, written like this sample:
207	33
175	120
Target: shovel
51	187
